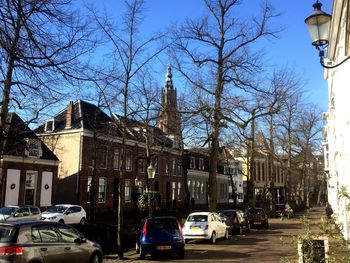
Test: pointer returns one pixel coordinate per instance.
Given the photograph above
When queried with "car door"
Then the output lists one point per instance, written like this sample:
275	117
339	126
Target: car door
72	215
220	225
48	244
75	246
20	214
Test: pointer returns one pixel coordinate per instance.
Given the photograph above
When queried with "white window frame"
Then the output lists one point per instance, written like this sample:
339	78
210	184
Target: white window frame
102	189
128	163
127	191
192	162
116	159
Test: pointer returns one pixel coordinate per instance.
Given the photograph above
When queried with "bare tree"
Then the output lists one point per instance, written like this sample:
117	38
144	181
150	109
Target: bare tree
41	43
218	45
131	54
307	141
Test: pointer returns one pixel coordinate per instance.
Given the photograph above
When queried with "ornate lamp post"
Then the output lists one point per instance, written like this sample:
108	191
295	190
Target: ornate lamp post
318	24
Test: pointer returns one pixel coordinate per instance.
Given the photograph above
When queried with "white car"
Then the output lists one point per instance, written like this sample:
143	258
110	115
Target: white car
68	214
204	225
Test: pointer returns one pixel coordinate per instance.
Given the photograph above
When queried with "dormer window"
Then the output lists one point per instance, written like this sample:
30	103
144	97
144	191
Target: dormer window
50	125
33	148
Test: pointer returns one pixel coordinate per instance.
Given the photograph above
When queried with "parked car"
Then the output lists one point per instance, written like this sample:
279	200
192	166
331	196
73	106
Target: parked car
236	221
49	242
160	236
204	225
69	214
284	210
17	213
257	218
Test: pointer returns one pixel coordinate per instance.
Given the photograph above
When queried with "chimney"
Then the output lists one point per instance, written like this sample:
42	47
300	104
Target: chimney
69	113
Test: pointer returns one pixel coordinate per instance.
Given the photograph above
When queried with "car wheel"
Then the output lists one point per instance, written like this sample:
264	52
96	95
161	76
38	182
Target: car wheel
95	259
181	254
240	230
142	253
83	221
61	221
226	234
213	238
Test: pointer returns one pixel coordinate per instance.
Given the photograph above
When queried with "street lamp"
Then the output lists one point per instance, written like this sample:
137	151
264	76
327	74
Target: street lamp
318	24
151	171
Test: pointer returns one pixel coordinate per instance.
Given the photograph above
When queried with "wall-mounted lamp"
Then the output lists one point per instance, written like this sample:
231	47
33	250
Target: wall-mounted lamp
318	24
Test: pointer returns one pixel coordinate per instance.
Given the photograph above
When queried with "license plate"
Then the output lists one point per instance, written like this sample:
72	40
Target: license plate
195	227
257	223
163	247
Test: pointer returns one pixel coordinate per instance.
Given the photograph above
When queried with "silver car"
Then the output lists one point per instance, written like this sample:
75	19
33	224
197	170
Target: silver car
49	242
19	213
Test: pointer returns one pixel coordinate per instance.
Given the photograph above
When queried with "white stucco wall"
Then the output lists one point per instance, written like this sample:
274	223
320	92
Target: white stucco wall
338	122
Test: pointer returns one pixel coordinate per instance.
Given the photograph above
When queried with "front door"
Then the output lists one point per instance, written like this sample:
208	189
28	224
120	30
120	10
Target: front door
30	187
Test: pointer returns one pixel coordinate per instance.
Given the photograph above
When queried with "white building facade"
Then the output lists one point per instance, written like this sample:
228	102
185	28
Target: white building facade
337	128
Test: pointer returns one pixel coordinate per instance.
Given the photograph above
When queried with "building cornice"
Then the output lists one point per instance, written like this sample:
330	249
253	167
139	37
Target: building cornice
27	160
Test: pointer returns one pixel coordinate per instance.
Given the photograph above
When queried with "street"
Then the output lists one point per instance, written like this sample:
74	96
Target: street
260	245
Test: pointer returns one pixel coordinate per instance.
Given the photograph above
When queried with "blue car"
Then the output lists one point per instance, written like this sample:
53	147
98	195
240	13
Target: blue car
159	236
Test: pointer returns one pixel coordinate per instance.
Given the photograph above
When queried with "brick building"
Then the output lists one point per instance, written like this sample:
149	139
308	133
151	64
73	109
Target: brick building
28	168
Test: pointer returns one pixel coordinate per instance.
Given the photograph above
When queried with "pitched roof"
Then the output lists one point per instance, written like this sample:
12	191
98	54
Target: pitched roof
17	134
85	115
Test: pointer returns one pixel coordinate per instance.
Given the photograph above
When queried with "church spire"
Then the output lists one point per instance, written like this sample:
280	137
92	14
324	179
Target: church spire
169	78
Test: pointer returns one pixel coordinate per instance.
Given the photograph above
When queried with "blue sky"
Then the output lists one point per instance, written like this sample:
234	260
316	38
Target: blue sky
293	48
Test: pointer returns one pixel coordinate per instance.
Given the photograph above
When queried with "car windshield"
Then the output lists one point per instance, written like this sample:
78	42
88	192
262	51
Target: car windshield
57	209
8	210
197	218
7	233
226	213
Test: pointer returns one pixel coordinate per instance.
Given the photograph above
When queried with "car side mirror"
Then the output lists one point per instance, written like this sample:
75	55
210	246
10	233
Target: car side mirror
67	213
80	240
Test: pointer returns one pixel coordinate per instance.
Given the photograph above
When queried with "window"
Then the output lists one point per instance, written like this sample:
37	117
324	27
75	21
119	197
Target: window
156	164
128	166
127	191
102	158
174	167
50	125
34	210
88	190
201	164
179	169
167	169
173	191
179	193
47	234
33	148
102	190
192	163
142	166
116	159
68	233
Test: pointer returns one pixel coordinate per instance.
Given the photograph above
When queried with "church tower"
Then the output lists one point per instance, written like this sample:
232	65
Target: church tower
169	119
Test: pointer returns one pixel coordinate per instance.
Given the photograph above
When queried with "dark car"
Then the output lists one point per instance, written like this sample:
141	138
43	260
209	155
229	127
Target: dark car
284	210
49	242
236	221
257	218
160	236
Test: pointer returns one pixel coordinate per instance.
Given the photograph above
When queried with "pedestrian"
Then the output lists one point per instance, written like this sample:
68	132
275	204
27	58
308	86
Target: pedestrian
329	210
